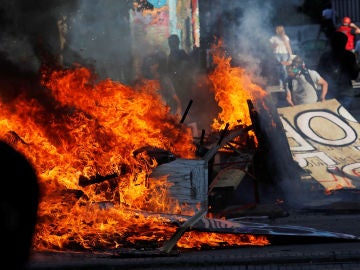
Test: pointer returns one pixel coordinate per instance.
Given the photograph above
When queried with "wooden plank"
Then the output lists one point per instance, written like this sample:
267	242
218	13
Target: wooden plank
169	245
232	135
229	177
189	179
232	172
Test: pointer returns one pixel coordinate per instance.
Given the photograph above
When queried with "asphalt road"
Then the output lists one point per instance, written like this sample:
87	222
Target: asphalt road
293	253
337	215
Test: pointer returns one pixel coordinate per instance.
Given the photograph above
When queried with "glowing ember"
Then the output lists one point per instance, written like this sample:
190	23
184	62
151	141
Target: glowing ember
202	239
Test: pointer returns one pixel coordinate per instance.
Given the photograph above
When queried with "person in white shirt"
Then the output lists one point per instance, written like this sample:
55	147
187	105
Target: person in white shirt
303	84
280	44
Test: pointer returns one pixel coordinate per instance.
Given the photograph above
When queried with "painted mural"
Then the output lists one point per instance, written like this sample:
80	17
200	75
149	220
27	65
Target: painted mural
151	27
324	140
149	32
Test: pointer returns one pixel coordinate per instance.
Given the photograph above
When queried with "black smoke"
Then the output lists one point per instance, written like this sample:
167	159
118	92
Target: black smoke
24	23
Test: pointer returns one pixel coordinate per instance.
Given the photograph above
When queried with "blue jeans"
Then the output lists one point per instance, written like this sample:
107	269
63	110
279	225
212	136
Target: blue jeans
282	57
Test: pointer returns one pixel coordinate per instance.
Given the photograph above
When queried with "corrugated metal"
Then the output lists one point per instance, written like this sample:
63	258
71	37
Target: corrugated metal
349	8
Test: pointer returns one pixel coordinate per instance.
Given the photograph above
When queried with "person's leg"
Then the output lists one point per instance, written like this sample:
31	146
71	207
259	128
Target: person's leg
283	73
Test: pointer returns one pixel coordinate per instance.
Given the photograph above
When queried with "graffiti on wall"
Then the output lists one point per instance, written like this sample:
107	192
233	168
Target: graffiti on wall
150	28
149	33
157	3
324	141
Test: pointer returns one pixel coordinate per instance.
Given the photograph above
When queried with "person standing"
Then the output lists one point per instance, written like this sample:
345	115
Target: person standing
338	66
328	21
177	58
180	69
155	68
303	84
281	47
350	30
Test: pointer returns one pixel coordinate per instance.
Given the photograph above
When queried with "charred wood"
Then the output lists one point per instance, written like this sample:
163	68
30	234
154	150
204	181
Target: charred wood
224	140
13	138
202	137
160	155
86	181
201	149
223	133
147	153
186	112
169	245
256	123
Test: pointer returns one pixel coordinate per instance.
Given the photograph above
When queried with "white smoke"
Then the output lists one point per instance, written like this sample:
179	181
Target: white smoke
99	31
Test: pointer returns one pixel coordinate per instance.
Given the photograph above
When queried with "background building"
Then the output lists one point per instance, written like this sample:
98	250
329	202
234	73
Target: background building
349	8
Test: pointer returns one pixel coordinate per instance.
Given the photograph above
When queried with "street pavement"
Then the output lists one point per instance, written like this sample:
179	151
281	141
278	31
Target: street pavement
337	213
292	254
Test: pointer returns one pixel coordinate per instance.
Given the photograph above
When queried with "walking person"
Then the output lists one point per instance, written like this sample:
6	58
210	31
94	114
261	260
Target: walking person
303	84
280	44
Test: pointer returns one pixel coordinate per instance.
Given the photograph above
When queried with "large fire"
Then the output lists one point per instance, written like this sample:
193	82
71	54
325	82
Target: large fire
233	87
88	130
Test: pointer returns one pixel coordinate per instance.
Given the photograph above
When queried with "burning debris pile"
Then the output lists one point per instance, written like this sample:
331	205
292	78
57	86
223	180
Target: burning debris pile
94	145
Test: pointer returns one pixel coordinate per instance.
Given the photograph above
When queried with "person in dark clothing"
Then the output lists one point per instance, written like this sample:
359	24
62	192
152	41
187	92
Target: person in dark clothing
178	58
327	24
180	69
18	207
154	68
338	67
350	30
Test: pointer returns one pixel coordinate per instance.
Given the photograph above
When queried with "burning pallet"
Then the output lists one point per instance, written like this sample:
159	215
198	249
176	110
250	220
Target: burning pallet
190	178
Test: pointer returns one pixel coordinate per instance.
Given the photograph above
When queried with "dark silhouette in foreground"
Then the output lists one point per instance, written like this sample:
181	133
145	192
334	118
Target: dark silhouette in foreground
18	207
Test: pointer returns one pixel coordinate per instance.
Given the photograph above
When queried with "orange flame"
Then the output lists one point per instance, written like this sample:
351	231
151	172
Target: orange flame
200	240
86	129
233	87
90	129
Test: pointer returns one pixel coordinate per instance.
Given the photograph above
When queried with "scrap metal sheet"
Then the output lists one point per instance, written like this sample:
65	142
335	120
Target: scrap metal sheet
257	228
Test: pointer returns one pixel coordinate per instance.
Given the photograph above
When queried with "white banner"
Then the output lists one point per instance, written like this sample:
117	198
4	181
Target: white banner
324	140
